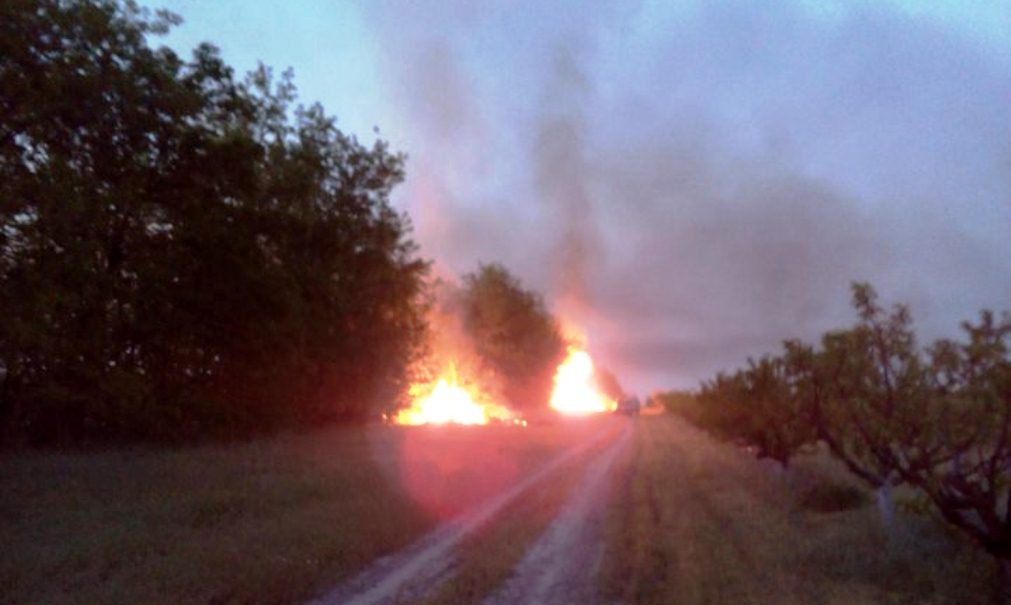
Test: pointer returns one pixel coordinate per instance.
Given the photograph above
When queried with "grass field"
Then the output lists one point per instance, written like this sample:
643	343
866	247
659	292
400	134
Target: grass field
270	521
282	520
699	522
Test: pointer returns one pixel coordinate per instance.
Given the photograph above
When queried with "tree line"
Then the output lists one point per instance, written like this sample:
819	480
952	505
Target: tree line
185	253
934	418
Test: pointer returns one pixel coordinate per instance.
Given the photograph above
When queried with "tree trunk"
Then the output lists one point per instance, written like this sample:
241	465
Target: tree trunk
886	505
11	434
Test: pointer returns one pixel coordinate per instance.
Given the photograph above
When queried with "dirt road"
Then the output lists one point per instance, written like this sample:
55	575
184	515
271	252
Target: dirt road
662	514
410	575
563	565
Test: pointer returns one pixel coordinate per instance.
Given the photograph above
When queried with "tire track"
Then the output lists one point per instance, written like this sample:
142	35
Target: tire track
415	571
562	566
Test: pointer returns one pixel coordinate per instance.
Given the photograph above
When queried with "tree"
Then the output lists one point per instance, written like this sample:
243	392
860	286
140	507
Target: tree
755	408
682	402
865	392
183	253
961	459
513	331
937	419
92	119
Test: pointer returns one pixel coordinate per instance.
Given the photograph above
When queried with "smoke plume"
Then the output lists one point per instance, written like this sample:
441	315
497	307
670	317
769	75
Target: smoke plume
693	184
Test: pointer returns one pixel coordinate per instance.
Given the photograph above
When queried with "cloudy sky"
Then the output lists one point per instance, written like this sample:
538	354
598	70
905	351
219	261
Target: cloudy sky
689	182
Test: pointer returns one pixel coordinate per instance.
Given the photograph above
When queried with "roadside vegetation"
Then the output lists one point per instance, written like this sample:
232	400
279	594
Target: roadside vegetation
277	520
934	421
696	521
193	253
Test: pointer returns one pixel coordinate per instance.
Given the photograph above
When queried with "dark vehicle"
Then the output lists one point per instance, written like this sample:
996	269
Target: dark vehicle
628	406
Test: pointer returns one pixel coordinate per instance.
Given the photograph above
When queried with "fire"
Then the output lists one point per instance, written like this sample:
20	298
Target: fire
448	401
575	392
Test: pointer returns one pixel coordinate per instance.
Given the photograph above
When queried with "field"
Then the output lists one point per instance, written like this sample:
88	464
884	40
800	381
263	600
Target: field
628	511
272	521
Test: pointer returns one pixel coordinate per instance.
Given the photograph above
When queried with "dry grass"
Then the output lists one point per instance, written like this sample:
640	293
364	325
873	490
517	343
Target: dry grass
271	521
284	519
699	522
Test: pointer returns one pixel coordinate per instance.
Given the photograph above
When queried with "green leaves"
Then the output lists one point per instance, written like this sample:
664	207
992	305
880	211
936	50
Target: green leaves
756	407
938	419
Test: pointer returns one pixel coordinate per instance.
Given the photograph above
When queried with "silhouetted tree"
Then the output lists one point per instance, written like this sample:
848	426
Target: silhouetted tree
513	331
183	253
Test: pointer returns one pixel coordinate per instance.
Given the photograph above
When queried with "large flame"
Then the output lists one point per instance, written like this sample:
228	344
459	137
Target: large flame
575	391
447	401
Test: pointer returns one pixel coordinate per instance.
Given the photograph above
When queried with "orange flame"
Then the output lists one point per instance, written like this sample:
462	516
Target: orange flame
448	401
575	392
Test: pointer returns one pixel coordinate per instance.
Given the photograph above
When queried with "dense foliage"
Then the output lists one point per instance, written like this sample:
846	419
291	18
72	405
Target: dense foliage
182	252
937	419
753	407
513	333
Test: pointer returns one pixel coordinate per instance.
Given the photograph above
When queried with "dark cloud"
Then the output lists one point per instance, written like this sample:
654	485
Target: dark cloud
694	185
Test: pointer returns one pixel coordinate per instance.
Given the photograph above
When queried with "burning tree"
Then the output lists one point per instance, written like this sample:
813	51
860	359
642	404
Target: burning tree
450	382
578	389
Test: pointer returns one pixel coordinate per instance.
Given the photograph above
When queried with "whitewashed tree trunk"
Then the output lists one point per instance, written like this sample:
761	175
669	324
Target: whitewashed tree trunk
788	477
782	475
782	479
886	505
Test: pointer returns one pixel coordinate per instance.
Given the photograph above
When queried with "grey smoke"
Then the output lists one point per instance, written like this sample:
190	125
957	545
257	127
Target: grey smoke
707	181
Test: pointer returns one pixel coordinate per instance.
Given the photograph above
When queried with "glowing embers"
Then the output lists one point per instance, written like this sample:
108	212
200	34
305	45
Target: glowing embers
447	400
576	391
